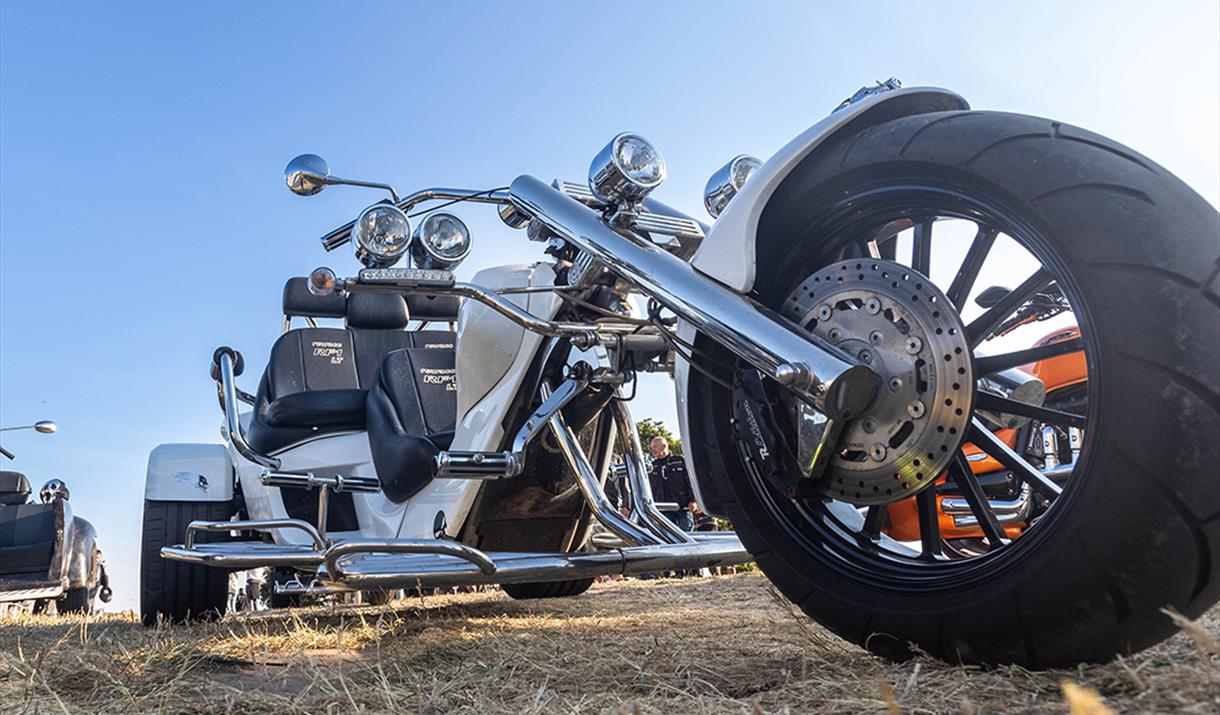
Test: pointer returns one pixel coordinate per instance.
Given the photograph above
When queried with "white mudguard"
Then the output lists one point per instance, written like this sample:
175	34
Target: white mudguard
728	254
189	472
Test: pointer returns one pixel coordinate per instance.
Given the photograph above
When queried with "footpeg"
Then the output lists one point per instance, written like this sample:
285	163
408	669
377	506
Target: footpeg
476	465
309	480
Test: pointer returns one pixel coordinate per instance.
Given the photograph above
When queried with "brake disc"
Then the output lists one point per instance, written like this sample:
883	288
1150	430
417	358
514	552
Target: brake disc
896	321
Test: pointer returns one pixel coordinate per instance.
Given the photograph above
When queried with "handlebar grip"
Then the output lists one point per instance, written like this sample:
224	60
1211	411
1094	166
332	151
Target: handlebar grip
239	364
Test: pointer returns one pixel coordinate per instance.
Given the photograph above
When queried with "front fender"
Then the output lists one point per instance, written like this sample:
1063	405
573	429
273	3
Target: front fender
728	253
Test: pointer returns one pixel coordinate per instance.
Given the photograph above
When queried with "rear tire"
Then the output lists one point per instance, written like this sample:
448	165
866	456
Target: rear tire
548	589
172	590
1140	528
74	600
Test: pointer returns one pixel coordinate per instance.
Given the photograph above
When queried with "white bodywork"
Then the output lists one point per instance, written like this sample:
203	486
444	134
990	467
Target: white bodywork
492	359
727	254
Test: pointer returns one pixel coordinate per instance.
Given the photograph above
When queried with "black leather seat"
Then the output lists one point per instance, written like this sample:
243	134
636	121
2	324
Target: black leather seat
412	410
14	488
317	379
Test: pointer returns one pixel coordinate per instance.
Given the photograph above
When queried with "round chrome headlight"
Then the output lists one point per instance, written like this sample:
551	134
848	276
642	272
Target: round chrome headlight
726	182
626	170
441	241
382	234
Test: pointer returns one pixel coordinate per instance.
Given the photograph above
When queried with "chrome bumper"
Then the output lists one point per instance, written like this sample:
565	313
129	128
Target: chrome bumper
429	563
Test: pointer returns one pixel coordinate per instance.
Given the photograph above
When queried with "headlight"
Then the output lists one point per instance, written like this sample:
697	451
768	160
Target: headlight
382	234
441	241
726	182
626	170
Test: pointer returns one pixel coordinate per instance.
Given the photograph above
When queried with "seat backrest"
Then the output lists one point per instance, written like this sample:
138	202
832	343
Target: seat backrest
299	302
378	324
421	383
308	359
14	488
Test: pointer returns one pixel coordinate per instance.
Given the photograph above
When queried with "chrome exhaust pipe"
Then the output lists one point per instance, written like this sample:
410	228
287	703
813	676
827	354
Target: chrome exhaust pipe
819	373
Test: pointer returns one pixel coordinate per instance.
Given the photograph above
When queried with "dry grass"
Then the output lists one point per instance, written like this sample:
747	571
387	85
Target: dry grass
702	645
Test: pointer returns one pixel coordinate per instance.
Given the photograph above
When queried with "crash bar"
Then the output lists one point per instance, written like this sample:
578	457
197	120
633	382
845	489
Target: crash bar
407	546
254	524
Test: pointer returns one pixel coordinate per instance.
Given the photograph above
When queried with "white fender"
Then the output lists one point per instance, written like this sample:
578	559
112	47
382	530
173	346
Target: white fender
189	472
728	253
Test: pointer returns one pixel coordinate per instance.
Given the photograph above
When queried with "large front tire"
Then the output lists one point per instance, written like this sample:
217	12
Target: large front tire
171	590
1139	529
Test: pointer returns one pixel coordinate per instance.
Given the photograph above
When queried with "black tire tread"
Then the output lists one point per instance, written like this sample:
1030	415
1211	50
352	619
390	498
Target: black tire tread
547	589
173	591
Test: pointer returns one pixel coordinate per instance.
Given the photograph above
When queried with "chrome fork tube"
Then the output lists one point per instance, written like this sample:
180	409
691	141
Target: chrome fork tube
641	489
819	373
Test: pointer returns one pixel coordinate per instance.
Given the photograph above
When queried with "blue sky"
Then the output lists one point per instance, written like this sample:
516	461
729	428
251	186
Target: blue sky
143	219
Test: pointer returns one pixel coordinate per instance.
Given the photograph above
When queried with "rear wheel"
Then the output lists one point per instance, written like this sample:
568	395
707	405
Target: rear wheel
877	242
548	589
172	590
74	600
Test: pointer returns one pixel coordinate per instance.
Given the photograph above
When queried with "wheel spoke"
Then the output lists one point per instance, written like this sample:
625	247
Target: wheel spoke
988	364
874	518
929	522
986	440
921	248
963	477
982	326
995	403
963	282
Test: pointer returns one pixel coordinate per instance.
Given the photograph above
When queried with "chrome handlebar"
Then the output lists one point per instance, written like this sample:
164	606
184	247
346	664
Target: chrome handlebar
343	234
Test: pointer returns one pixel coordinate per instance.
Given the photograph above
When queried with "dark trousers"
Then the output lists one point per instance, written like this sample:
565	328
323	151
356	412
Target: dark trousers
681	519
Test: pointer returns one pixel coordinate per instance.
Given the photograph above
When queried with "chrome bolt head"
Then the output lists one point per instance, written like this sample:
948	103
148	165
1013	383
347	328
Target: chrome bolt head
914	345
872	306
824	312
916	409
836	335
877	452
875	337
895	384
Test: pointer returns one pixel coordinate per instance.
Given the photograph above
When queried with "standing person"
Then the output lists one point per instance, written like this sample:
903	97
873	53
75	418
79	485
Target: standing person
254	584
670	483
235	585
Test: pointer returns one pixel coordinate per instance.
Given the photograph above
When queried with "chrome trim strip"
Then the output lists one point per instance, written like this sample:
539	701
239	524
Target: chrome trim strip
255	525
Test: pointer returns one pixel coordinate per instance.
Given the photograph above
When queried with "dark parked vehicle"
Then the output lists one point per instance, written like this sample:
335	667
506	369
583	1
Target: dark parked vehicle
47	553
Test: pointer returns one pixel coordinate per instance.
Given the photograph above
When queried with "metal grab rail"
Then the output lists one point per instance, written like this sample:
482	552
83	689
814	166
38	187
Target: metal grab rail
255	524
228	399
406	546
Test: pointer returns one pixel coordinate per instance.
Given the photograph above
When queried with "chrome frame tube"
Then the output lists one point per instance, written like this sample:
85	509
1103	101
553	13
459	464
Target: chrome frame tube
428	572
637	476
1006	511
228	398
309	480
817	372
343	234
590	486
456	549
254	525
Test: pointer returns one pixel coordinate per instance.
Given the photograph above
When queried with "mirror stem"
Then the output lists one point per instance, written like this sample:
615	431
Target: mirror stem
368	184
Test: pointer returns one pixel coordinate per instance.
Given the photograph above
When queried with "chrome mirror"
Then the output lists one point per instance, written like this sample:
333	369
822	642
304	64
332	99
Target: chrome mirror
307	174
45	427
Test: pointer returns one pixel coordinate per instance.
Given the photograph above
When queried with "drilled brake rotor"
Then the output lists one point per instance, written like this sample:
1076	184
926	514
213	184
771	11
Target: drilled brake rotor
897	322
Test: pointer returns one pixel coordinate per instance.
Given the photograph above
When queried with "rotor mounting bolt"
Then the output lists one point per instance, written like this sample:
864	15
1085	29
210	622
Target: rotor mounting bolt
914	345
836	335
877	452
872	306
866	357
875	337
895	384
824	312
915	409
870	425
